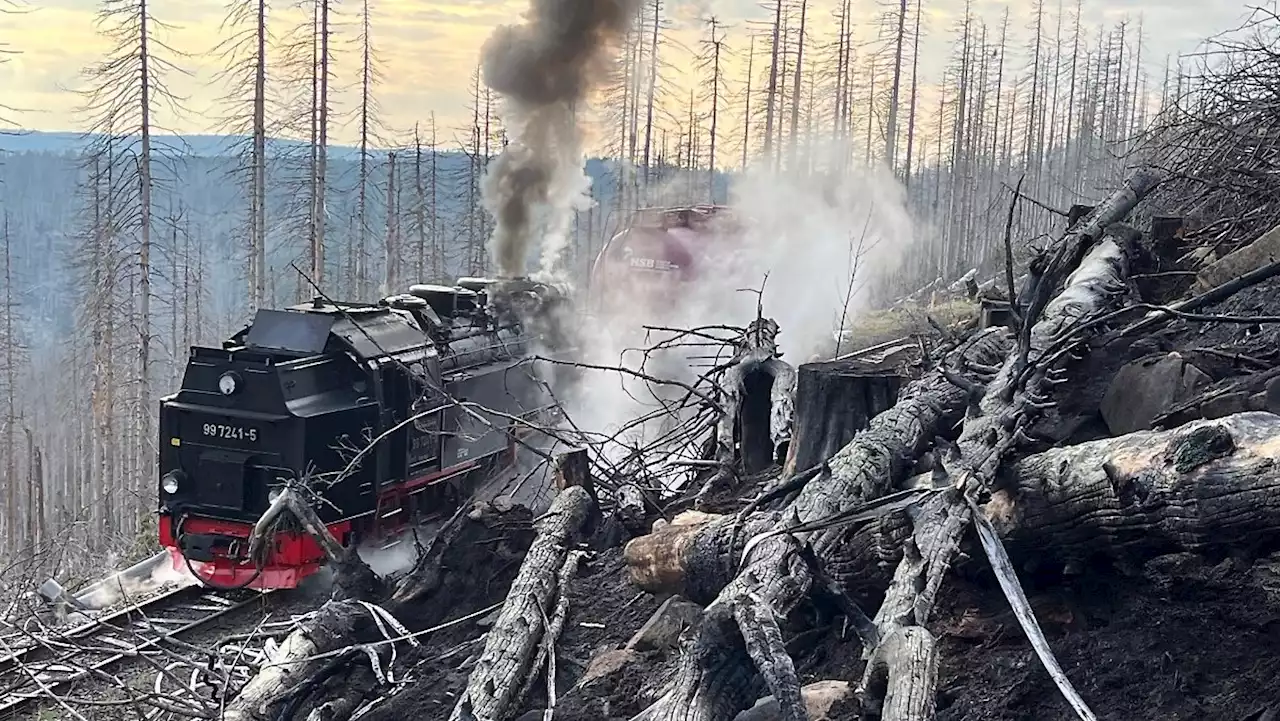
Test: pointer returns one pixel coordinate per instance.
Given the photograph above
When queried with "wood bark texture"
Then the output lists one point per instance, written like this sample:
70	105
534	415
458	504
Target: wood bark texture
835	400
714	678
746	438
1211	484
1010	404
511	647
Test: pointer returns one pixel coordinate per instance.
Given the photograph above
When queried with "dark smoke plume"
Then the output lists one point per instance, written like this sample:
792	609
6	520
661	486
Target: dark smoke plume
545	68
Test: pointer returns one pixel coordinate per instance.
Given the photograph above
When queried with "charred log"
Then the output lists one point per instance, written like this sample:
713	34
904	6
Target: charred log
1209	485
739	637
1008	408
531	617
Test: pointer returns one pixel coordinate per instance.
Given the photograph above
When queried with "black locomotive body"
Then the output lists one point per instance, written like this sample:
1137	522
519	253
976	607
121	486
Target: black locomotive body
380	409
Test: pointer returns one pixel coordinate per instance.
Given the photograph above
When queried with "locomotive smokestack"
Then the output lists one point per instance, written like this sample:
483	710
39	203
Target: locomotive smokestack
544	69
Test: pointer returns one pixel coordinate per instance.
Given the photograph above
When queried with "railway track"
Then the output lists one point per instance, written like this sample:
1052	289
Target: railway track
37	665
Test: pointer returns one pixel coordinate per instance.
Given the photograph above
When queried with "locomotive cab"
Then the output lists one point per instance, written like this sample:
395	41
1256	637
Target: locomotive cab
300	395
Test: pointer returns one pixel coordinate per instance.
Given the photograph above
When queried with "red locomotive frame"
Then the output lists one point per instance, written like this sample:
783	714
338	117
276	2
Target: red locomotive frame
295	556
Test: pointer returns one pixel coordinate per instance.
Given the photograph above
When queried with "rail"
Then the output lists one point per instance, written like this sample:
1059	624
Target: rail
35	665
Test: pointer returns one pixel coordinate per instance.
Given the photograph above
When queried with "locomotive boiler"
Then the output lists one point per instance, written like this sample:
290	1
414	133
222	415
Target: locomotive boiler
434	383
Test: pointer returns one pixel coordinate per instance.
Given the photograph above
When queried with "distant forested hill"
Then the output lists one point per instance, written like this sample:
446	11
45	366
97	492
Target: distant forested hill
199	228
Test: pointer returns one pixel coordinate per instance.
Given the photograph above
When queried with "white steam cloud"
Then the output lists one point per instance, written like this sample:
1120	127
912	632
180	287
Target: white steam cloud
812	232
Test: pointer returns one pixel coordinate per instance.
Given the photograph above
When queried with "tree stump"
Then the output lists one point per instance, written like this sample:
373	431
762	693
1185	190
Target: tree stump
835	400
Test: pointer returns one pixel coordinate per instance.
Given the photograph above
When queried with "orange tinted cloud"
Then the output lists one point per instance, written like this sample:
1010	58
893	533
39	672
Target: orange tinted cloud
429	49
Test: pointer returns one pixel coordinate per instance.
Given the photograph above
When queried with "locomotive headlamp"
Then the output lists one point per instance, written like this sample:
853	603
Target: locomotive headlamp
229	383
170	483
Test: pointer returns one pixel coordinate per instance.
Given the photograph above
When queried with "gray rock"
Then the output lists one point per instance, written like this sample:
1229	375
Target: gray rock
1226	404
818	697
663	629
1147	388
608	663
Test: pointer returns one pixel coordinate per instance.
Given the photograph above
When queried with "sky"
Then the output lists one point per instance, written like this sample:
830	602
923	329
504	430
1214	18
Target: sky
428	49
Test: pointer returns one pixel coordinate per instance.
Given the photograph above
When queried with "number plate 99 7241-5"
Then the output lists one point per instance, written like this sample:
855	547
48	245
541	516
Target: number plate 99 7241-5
229	432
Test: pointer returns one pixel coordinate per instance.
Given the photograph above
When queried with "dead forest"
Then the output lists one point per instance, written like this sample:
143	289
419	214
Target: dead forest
1059	501
165	244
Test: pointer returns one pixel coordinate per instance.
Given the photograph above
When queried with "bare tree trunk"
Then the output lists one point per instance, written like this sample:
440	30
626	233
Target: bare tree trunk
322	150
258	187
653	86
715	112
911	113
796	86
437	249
771	106
746	113
35	496
419	210
363	279
144	411
891	129
392	281
11	407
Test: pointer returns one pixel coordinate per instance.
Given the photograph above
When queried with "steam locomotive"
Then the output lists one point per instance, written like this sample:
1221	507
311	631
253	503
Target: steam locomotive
434	382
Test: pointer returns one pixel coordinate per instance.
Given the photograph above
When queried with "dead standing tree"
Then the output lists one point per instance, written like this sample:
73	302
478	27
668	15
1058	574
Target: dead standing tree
757	411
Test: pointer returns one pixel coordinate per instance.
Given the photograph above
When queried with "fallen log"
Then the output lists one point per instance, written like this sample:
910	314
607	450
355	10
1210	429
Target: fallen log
1021	389
506	667
292	670
716	674
1211	484
1209	487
